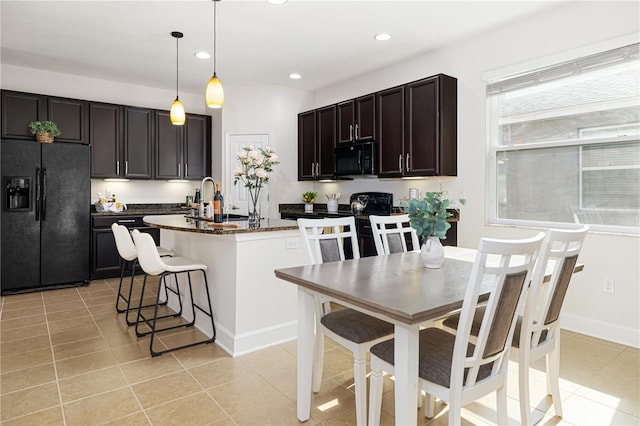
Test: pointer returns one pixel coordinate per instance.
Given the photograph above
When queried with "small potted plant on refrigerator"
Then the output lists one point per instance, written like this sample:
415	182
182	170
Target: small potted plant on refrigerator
44	131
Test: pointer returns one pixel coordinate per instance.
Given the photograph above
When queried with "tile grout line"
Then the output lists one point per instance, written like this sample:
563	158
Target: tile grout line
203	388
53	360
118	364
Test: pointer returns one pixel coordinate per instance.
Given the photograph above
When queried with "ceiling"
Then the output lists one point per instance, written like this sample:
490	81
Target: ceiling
258	43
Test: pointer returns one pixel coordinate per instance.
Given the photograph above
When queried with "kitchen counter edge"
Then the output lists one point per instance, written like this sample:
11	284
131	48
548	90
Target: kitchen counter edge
177	222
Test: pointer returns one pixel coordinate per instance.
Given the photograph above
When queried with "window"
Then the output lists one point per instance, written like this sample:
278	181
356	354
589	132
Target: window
565	143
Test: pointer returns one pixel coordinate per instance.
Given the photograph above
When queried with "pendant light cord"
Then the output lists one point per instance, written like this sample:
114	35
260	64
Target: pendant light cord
177	39
215	51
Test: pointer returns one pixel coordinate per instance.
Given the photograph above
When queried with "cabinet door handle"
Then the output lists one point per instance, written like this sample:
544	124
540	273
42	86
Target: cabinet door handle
118	167
179	170
359	160
350	132
400	162
126	220
407	163
317	169
126	168
357	133
186	169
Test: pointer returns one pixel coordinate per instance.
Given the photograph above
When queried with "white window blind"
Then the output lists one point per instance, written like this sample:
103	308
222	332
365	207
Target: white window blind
565	143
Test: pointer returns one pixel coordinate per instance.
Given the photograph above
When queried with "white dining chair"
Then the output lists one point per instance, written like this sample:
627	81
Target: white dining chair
324	240
537	333
450	366
390	234
152	264
129	257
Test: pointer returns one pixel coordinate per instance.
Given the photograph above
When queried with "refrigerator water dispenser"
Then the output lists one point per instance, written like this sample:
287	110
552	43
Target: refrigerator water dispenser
17	193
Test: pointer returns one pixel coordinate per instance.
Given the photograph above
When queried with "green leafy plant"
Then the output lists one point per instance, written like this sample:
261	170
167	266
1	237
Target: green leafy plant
309	197
50	127
429	215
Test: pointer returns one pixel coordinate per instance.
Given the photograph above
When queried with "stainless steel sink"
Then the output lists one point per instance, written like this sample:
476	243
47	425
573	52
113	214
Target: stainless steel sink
230	218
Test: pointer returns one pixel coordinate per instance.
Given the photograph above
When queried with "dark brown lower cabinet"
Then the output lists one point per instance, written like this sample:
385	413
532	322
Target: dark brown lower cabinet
105	260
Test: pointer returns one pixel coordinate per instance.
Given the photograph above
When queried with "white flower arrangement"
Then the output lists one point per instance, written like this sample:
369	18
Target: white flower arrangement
255	166
253	172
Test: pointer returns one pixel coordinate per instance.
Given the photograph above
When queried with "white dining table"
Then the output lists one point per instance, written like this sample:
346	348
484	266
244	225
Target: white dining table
396	288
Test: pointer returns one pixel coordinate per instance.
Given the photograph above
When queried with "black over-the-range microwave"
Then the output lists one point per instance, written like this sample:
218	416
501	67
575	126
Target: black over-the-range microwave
357	159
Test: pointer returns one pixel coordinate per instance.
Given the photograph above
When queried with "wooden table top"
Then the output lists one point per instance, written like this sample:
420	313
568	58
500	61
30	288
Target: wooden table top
397	286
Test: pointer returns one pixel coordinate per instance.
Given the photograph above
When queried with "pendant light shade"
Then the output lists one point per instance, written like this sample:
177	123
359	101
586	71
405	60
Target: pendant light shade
215	93
176	114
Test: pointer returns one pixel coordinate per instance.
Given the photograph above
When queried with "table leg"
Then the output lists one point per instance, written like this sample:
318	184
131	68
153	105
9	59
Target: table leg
306	319
406	373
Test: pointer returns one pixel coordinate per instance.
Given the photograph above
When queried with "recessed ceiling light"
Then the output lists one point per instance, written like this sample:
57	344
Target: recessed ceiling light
382	37
276	1
295	76
202	55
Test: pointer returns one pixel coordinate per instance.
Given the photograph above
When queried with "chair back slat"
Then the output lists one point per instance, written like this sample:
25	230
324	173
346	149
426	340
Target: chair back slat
504	266
504	314
325	238
390	233
558	258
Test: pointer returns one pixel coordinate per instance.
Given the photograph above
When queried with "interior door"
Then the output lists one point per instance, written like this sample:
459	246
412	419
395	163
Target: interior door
239	195
65	225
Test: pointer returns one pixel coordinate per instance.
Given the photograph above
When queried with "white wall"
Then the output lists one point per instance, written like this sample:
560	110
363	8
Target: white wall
274	110
587	309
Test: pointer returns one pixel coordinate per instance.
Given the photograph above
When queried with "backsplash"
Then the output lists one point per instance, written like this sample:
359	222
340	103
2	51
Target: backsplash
144	191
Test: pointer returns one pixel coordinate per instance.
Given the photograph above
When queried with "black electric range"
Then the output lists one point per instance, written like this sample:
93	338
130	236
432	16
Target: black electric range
375	203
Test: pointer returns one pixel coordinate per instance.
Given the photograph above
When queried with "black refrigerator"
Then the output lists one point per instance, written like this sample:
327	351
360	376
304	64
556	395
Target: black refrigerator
45	220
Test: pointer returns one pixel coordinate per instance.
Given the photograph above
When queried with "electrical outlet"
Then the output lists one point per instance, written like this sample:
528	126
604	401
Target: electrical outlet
608	285
292	243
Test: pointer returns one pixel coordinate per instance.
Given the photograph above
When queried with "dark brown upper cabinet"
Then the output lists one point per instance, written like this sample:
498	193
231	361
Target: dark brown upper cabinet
417	128
70	115
105	135
121	141
316	141
72	118
138	142
356	120
197	146
183	152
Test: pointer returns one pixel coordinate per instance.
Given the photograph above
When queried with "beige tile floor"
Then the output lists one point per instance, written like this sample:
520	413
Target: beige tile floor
68	359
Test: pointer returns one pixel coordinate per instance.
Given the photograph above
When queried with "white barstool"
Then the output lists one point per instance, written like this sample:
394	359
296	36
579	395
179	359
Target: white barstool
152	264
127	251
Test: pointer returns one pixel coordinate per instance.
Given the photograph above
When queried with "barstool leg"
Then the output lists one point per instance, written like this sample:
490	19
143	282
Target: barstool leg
194	306
120	295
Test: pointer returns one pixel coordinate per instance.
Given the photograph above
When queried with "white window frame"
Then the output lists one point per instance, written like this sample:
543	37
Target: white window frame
492	136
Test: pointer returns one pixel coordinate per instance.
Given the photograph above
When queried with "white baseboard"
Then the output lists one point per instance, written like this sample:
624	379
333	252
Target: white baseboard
602	330
241	344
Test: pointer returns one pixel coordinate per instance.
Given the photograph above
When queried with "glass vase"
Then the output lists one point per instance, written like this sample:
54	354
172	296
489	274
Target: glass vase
254	207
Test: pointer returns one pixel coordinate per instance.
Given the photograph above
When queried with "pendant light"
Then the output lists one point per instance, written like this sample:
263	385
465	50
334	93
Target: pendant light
177	109
215	94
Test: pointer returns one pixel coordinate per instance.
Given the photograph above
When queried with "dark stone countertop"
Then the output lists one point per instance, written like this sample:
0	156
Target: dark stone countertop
145	209
320	210
180	223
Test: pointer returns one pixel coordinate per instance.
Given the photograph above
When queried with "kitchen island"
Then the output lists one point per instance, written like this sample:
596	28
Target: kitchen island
252	309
